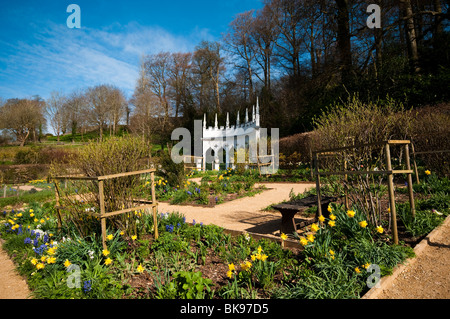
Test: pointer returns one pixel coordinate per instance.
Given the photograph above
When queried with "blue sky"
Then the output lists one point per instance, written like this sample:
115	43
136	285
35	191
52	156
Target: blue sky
40	54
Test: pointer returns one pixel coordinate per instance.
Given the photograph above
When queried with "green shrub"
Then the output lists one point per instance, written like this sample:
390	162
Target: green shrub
169	170
191	285
112	156
423	222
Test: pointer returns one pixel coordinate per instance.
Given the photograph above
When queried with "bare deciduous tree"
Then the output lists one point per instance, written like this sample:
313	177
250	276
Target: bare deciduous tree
21	117
54	109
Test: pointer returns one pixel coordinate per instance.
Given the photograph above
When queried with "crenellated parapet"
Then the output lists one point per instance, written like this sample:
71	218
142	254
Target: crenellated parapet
232	130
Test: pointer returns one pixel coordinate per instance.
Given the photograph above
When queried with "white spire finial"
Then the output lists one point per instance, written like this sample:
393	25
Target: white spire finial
215	122
237	119
204	120
228	120
253	114
246	115
257	112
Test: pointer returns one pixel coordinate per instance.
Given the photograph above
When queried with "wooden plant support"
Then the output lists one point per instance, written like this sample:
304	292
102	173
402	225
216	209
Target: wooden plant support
103	214
389	172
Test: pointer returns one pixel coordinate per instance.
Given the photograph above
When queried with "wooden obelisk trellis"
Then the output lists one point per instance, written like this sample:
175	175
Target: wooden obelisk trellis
103	214
389	172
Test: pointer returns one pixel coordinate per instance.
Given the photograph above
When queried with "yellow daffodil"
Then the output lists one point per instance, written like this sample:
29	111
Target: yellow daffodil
303	241
283	236
109	237
310	237
40	266
331	252
350	213
122	233
331	223
32	215
231	267
31	211
108	261
428	172
19	214
229	273
42	220
366	265
51	251
380	229
314	227
246	266
321	218
363	224
357	270
140	268
51	260
43	258
105	252
34	261
67	263
263	257
259	249
134	237
329	209
253	257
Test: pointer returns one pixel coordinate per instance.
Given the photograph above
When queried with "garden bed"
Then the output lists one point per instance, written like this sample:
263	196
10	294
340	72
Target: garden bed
329	259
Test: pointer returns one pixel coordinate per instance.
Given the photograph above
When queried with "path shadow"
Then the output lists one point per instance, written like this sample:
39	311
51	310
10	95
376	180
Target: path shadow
435	244
271	227
266	224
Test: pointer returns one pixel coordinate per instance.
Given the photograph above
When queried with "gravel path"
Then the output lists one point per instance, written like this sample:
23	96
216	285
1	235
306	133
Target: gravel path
243	214
12	286
427	276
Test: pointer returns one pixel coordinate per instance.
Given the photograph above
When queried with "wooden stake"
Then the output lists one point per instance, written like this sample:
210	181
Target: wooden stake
416	172
155	220
102	212
346	185
316	169
410	186
58	204
391	195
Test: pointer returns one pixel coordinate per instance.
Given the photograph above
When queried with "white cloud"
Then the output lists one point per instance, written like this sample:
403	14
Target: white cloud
59	58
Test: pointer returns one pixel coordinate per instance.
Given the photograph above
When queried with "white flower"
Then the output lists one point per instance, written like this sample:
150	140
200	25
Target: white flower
64	239
91	254
436	212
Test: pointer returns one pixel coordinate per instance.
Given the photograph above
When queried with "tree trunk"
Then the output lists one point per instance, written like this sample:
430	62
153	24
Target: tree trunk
438	30
378	48
411	39
343	37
